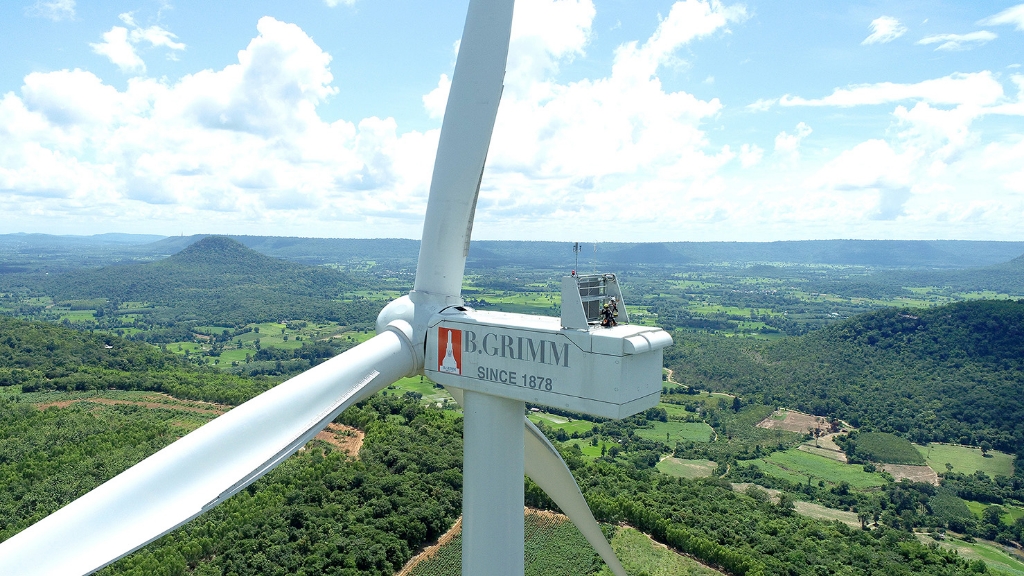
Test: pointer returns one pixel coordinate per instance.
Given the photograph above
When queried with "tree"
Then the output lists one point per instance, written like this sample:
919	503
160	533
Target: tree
785	504
985	447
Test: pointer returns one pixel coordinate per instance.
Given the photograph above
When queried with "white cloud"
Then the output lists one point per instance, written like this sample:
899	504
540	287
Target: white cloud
787	146
959	41
55	10
750	155
245	149
154	35
117	49
1013	15
885	29
119	44
334	3
978	88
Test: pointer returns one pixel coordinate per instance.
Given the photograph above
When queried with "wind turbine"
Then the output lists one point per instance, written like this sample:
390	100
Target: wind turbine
492	363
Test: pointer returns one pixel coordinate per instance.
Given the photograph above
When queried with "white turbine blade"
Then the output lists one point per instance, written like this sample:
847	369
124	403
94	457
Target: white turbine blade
462	149
205	467
545	467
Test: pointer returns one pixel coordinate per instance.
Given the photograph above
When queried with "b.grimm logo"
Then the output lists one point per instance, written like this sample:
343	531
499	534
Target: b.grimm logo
516	348
449	351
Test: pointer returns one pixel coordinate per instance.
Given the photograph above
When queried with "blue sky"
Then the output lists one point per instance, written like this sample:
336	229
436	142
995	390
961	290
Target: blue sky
642	120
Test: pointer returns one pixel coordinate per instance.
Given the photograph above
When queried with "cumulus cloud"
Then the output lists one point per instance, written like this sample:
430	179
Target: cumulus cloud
245	148
959	41
55	10
119	44
885	29
1013	16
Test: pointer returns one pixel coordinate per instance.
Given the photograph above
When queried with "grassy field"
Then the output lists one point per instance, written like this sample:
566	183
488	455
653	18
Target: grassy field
424	386
1009	517
587	449
993	556
796	465
687	468
671	432
555	421
641	555
966	459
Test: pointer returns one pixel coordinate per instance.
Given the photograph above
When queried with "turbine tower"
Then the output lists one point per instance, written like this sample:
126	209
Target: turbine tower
491	363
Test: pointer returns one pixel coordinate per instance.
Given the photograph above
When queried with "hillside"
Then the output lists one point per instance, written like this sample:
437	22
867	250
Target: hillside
950	374
221	281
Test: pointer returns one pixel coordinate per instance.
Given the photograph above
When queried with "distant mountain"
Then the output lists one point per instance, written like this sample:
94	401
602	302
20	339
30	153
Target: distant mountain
220	280
401	254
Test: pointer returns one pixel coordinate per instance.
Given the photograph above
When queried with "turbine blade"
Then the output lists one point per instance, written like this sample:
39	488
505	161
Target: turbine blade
545	467
205	467
462	148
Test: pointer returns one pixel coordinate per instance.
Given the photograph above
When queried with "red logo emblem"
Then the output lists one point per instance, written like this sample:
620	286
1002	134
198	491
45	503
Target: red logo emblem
449	351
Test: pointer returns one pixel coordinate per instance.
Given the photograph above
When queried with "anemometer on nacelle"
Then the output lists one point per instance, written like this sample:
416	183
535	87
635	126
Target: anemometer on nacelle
572	362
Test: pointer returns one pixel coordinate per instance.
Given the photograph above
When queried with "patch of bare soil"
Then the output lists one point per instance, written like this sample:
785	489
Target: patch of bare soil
793	421
197	407
345	438
821	450
912	473
429	552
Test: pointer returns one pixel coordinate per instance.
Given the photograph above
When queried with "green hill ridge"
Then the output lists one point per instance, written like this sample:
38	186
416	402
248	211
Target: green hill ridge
949	374
221	281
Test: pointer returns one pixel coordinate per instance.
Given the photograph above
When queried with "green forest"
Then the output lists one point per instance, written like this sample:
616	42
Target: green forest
881	378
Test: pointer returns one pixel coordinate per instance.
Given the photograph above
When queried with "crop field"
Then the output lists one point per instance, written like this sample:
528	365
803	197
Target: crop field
686	468
797	465
671	432
555	421
887	449
966	459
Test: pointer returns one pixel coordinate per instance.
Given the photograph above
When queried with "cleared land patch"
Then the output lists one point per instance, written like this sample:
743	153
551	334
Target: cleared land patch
792	421
912	473
686	468
152	400
346	438
837	455
966	459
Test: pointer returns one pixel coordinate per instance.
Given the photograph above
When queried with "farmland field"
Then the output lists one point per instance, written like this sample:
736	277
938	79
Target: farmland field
797	465
677	431
686	468
966	459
